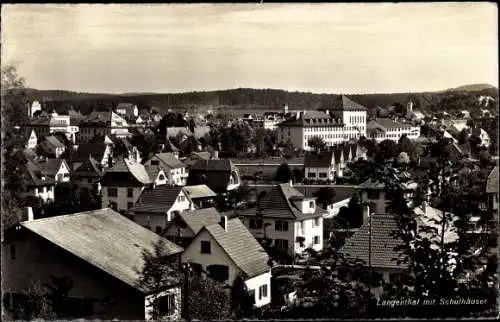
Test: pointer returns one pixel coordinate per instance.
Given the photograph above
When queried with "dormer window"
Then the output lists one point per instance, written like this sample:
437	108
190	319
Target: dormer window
311	204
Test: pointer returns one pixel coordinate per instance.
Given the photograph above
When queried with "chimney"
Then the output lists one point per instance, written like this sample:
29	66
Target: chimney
29	216
366	213
223	222
290	182
424	207
215	155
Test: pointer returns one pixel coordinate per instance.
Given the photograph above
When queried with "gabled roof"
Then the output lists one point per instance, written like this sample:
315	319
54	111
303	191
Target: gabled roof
169	161
278	203
35	177
382	242
341	193
311	119
240	246
342	103
99	116
197	219
213	165
323	159
129	166
492	181
195	156
153	171
50	167
53	141
104	239
385	123
199	191
86	150
89	168
158	200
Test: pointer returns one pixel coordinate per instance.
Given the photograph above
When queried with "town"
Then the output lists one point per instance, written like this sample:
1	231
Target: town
260	207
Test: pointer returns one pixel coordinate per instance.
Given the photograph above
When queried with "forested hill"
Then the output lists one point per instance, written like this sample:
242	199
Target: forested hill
241	98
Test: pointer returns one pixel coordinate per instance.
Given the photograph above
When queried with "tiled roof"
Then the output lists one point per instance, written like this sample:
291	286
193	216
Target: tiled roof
53	141
35	177
213	165
153	171
50	166
199	191
89	168
159	199
136	169
99	116
195	156
104	239
342	103
323	159
241	247
277	203
382	242
385	123
341	193
169	160
492	181
86	150
196	219
311	119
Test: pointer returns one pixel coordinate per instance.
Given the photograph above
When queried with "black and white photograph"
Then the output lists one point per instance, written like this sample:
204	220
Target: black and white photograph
251	161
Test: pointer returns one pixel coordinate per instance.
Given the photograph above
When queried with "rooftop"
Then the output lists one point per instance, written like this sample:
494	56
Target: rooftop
197	219
136	169
492	181
199	191
103	238
158	200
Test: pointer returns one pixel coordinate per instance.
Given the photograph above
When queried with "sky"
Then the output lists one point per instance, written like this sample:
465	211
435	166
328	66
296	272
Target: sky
321	48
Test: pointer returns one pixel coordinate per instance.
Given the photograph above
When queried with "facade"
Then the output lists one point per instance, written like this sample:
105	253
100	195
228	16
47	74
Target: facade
387	129
32	140
220	176
128	111
101	152
343	120
156	207
174	168
62	123
35	106
56	169
227	250
52	146
38	185
100	270
291	220
201	195
122	184
102	123
88	175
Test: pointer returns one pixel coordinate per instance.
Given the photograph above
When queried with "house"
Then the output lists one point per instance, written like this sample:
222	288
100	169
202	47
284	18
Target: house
201	195
128	111
97	254
483	135
492	189
182	229
227	250
157	174
174	168
320	166
195	156
37	185
342	120
166	145
156	207
133	152
373	192
123	183
341	199
100	152
51	146
31	141
63	124
220	176
56	169
102	123
291	220
35	106
386	129
40	125
88	175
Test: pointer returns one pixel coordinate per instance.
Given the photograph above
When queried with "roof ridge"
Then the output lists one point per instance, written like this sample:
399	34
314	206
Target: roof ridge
88	212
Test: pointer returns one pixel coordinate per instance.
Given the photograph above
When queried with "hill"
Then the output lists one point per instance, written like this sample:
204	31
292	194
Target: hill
472	88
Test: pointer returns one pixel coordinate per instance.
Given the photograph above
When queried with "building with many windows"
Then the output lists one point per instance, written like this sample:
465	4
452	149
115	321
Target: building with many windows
387	129
338	121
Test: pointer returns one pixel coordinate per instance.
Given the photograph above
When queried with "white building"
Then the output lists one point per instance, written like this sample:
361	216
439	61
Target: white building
123	183
290	219
227	250
32	140
343	120
35	106
175	169
157	206
61	123
387	129
56	169
38	185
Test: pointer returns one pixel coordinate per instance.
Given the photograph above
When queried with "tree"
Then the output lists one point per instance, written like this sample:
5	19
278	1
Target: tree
412	148
387	149
120	150
325	196
158	273
463	136
59	289
284	173
35	305
241	300
317	143
208	299
403	159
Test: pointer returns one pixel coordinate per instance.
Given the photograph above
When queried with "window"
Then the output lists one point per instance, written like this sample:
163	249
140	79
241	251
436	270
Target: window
218	272
155	162
317	222
205	247
311	175
373	194
316	240
130	192
112	192
262	291
255	223
281	244
166	305
281	225
311	204
197	268
161	177
322	175
130	205
12	252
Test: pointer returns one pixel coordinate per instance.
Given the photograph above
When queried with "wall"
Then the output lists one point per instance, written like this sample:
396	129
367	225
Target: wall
176	291
256	282
271	232
64	171
45	193
178	176
38	259
32	141
307	230
218	256
334	209
121	198
380	203
329	171
234	180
